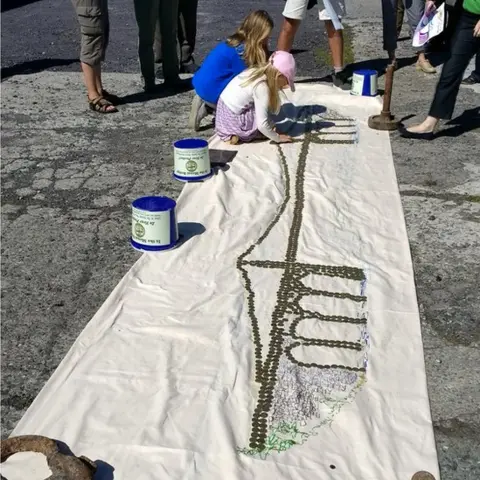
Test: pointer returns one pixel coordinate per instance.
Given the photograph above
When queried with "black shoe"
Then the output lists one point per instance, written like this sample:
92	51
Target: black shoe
178	85
189	67
472	79
151	87
414	135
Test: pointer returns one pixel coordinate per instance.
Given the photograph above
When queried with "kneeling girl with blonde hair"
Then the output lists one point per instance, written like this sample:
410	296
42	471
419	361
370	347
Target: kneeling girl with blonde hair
245	104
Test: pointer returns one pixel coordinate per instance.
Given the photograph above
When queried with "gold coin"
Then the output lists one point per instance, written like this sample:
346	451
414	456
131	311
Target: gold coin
423	476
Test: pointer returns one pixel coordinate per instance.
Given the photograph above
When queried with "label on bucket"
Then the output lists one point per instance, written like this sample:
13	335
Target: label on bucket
151	228
192	162
365	85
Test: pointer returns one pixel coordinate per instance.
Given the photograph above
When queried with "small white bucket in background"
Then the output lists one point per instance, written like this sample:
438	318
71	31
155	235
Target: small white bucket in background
192	160
365	83
154	224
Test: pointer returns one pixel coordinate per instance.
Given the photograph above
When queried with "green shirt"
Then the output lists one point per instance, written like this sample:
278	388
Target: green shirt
472	6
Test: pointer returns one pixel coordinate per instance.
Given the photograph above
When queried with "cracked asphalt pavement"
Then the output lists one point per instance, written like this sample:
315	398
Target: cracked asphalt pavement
68	177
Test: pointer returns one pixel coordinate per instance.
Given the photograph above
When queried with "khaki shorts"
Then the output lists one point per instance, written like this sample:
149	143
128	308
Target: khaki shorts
297	9
94	28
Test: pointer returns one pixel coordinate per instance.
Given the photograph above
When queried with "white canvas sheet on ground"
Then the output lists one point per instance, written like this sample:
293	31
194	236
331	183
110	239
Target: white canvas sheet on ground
282	343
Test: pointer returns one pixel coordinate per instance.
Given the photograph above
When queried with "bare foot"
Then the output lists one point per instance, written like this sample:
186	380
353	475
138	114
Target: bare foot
427	126
233	140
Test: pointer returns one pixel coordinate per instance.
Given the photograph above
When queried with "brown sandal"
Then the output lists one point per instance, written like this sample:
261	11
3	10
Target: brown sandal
101	105
113	99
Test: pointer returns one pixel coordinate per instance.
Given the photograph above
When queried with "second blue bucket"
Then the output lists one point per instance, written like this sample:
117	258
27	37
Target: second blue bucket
365	83
192	160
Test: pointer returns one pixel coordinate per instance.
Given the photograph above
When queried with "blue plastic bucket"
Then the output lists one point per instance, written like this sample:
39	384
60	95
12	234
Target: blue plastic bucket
365	83
192	160
154	224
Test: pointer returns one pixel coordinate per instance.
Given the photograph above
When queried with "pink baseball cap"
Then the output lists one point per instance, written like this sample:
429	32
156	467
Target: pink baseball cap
285	64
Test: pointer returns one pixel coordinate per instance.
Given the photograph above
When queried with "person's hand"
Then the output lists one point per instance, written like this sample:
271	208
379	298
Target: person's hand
429	7
285	139
476	30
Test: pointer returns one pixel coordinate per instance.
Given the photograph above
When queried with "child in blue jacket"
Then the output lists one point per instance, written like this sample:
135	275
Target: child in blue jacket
246	48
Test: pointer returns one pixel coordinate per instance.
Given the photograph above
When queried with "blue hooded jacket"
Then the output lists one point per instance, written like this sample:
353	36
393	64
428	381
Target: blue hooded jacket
219	67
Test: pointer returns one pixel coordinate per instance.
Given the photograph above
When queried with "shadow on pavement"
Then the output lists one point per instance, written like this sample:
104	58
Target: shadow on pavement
160	92
380	64
469	120
11	4
35	66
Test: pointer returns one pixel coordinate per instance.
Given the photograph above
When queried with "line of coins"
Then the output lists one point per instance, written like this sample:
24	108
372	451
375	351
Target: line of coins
323	141
303	269
259	370
269	371
288	354
275	348
282	208
326	293
351	273
328	318
266	372
303	290
319	341
257	342
292	245
320	133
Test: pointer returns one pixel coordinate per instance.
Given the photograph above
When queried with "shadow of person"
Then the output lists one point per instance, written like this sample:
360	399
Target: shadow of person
466	122
292	119
35	66
289	111
161	91
296	129
380	64
11	4
188	230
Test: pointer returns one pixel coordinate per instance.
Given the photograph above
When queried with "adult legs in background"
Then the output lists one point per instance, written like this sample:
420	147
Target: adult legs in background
157	45
187	34
389	23
415	10
474	77
169	29
464	47
293	14
94	27
287	34
400	16
147	13
336	44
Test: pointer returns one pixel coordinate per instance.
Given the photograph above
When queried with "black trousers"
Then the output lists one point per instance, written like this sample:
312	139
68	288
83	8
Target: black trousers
476	72
187	32
464	47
